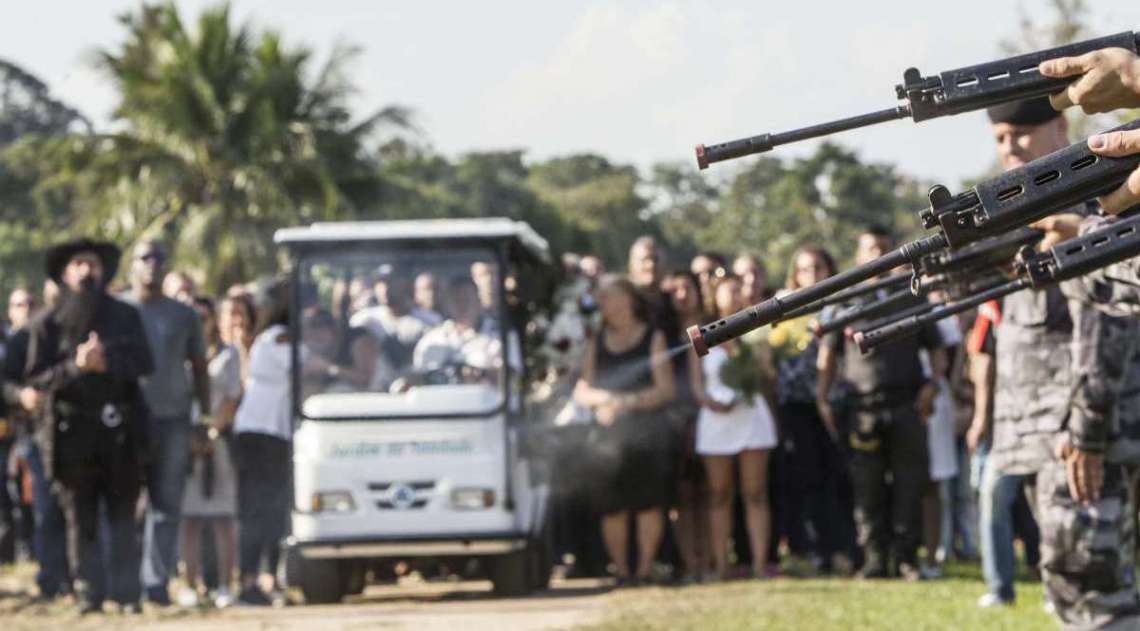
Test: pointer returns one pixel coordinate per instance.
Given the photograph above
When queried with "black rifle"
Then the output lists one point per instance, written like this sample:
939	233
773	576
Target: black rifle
1113	243
955	269
951	92
912	302
1014	199
890	283
902	299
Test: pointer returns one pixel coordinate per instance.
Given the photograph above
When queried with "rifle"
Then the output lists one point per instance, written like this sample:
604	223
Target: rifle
1076	257
890	283
1014	199
951	92
936	271
913	302
955	270
902	299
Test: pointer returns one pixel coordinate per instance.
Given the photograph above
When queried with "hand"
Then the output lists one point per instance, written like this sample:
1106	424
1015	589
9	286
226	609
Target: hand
1057	228
827	415
1084	470
1110	81
1119	144
718	407
924	402
975	436
605	414
89	357
31	399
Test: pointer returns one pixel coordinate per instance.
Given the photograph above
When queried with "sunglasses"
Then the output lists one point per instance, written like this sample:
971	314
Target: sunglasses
151	256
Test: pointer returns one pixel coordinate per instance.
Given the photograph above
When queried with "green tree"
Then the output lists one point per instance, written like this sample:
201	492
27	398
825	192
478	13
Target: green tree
224	138
598	201
773	207
28	222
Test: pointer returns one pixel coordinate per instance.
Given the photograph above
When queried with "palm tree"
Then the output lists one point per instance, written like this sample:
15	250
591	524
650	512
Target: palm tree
220	138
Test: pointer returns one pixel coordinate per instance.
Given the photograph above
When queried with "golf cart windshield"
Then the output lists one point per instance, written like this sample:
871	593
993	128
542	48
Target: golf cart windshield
410	332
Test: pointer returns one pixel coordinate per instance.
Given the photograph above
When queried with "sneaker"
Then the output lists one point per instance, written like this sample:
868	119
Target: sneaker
158	596
87	606
1049	608
909	573
799	567
841	565
187	598
990	600
223	598
930	572
253	597
130	609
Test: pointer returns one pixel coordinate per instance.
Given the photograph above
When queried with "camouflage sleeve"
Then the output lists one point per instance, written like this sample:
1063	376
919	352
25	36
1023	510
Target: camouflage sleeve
1115	289
1102	346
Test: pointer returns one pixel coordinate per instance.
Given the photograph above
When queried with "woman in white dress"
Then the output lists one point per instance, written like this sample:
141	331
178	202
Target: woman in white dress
729	428
211	488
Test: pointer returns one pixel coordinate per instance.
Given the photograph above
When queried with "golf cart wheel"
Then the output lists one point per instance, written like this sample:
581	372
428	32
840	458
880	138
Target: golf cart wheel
541	562
510	573
321	582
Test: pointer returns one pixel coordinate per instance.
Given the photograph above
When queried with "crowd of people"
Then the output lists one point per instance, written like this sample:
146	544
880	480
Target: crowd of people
87	472
167	414
821	459
158	410
758	458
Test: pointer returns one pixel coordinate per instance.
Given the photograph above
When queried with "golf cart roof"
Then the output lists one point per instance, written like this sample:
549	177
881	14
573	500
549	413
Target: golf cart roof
497	228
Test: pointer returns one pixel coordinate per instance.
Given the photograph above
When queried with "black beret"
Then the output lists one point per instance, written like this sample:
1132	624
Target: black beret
1029	112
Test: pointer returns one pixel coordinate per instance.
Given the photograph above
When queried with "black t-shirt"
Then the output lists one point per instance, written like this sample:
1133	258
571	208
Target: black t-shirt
893	370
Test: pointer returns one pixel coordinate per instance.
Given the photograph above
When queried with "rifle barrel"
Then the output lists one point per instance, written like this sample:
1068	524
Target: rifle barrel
771	310
708	154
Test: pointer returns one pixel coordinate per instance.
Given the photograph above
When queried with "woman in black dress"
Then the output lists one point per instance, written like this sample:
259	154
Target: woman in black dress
626	380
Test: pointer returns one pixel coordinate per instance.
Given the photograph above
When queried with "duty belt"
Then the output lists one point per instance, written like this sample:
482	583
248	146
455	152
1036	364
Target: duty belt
885	400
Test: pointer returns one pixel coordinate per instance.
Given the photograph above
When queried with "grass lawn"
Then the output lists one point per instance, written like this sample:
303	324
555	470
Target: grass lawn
814	604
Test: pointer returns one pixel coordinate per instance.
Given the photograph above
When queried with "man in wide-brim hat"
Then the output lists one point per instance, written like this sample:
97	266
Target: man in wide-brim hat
84	360
60	254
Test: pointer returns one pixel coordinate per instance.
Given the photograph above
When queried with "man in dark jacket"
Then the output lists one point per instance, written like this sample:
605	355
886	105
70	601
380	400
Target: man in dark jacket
85	358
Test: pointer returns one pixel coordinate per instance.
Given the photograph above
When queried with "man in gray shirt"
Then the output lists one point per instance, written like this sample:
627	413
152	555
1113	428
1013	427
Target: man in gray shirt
180	376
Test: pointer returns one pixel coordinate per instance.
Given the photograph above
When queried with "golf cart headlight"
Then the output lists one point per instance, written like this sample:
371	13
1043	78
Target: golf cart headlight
472	499
333	502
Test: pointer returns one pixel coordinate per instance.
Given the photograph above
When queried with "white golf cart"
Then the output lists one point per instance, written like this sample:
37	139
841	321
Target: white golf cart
411	449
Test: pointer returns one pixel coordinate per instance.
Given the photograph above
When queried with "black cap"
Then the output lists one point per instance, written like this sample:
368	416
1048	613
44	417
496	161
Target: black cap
60	254
1029	112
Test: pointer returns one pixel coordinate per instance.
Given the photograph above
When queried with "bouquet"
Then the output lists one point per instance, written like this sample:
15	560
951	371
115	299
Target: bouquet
743	372
791	337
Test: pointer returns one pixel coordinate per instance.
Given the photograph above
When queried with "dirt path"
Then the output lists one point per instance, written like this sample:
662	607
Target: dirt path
466	606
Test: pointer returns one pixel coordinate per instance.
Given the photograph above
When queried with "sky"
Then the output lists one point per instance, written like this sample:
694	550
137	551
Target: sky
636	81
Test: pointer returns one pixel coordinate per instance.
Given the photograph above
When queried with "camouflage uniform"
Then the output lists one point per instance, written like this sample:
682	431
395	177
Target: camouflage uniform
1031	399
1088	551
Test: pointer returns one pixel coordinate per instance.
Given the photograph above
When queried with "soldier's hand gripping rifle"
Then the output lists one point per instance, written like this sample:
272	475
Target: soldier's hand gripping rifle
1014	199
1112	243
951	92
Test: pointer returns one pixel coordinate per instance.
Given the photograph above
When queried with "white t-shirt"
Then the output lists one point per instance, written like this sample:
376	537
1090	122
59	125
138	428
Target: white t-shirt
266	406
451	343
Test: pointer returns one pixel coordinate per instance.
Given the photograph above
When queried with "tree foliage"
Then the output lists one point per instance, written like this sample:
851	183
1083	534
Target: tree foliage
223	137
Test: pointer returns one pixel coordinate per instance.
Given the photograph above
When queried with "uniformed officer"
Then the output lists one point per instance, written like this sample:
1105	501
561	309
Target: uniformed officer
888	435
1031	358
1087	494
85	357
